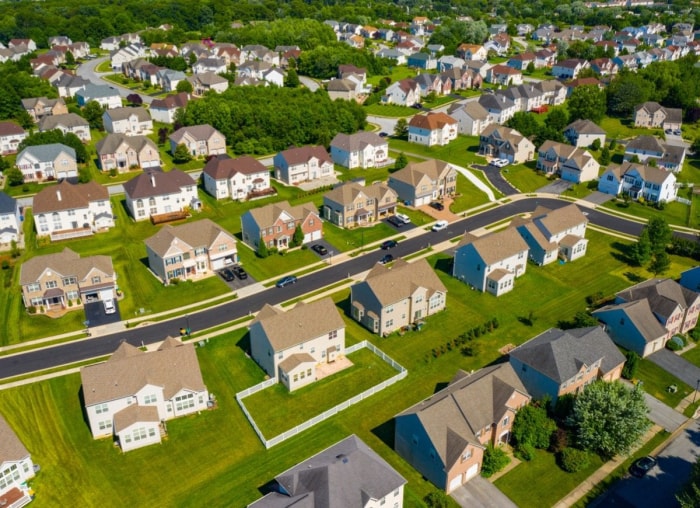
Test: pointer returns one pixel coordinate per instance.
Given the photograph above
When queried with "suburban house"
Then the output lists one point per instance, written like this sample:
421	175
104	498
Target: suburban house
573	164
500	108
669	157
349	473
65	280
289	345
209	64
10	220
690	279
558	362
393	298
505	143
69	84
11	135
123	153
70	122
423	61
130	395
471	118
569	69
432	129
239	178
190	251
129	121
41	163
491	262
107	96
645	316
200	140
521	61
419	183
444	436
168	79
639	181
16	468
405	92
472	52
163	110
345	89
207	82
39	107
360	150
303	164
554	234
504	75
582	133
352	204
275	224
157	195
654	115
68	211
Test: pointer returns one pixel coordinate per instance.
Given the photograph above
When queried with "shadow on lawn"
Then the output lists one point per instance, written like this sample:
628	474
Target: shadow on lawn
385	432
444	265
621	252
244	343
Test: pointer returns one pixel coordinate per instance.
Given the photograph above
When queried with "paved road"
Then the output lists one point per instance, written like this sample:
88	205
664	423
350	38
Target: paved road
677	365
386	124
32	361
479	492
309	83
87	71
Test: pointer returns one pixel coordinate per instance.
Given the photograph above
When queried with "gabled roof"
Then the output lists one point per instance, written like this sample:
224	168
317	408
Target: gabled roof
66	120
664	295
302	154
117	114
67	263
647	173
200	233
391	285
415	171
348	192
432	121
92	91
226	168
197	132
135	413
110	143
472	109
493	247
304	322
11	129
157	183
640	315
68	196
646	143
175	101
357	141
560	354
585	127
8	204
11	448
265	216
553	222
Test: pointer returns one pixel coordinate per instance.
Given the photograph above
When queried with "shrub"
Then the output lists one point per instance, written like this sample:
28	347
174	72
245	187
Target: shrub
5	264
695	334
495	459
631	365
675	344
467	351
437	499
113	172
573	460
558	441
32	309
70	303
175	281
526	452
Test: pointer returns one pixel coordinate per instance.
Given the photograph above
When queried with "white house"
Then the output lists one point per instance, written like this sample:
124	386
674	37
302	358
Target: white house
639	181
224	177
360	150
303	164
47	162
68	123
11	135
432	129
10	222
157	193
200	140
107	96
129	121
16	467
472	118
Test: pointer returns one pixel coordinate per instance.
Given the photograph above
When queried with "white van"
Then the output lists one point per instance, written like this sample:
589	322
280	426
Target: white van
109	306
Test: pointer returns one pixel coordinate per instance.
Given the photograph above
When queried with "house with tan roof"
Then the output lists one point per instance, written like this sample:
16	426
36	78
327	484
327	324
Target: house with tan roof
558	362
432	129
39	163
128	396
207	82
345	89
444	436
274	224
571	163
352	204
69	211
123	153
472	118
419	183
645	316
129	121
242	178
554	234
289	345
504	75
644	148
582	133
163	110
360	150
391	298
200	140
639	181
505	143
16	468
11	135
39	107
68	123
475	52
190	251
654	115
156	193
64	280
491	262
303	164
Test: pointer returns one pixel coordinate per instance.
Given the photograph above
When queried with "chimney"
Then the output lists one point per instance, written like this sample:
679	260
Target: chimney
153	180
58	194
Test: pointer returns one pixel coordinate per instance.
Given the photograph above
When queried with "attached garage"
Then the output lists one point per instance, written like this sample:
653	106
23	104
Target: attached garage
455	482
313	236
106	294
471	472
151	164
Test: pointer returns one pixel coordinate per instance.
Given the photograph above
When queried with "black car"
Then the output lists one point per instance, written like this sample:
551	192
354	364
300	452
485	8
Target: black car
437	205
383	134
386	258
417	106
642	466
394	220
227	274
389	244
319	249
239	272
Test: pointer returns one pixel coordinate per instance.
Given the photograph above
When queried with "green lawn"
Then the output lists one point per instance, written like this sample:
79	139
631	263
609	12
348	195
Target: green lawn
462	151
693	355
524	178
105	66
468	195
349	239
390	110
370	174
656	381
398	72
276	410
275	264
623	129
676	213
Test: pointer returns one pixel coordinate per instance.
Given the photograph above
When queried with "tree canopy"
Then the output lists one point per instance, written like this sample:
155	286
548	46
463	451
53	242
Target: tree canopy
56	136
587	102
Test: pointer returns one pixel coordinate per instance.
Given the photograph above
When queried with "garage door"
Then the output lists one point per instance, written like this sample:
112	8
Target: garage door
471	472
310	237
455	482
423	201
217	264
106	294
151	164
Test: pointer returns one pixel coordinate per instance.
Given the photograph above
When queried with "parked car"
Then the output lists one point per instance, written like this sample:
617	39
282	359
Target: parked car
109	306
668	131
286	281
239	272
403	218
417	106
386	258
383	134
499	163
319	249
642	466
227	274
439	225
389	244
677	132
437	205
395	221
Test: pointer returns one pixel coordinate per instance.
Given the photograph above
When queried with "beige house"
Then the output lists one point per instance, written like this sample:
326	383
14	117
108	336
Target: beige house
65	280
39	107
129	121
345	89
200	140
275	224
472	118
419	183
190	251
120	152
290	345
206	82
302	164
571	163
68	123
654	115
40	163
505	143
392	298
351	204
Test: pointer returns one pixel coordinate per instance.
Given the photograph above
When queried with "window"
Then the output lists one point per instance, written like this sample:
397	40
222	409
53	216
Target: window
332	335
69	281
505	421
223	247
308	372
467	455
105	424
101	408
50	284
33	287
184	402
389	309
150	399
389	323
96	279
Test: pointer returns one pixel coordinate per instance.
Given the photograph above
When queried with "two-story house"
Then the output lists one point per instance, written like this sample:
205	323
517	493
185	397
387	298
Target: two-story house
11	135
391	298
419	183
40	163
504	75
405	92
200	140
239	178
129	121
500	108
190	251
444	436
351	204
491	262
121	152
472	118
288	345
10	220
475	52
303	164
573	164
274	224
16	468
669	157
65	280
163	110
207	82
582	133
360	150
570	68
70	122
106	96
639	181
156	193
432	129
128	396
654	115
558	362
68	211
505	143
39	107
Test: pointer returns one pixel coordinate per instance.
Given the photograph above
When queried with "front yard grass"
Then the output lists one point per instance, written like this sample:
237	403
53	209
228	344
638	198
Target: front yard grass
348	239
623	129
675	213
693	355
389	110
524	178
462	151
262	269
656	382
276	410
469	195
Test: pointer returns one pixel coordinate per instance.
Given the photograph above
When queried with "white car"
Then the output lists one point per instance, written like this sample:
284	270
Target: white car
403	218
440	225
109	306
499	163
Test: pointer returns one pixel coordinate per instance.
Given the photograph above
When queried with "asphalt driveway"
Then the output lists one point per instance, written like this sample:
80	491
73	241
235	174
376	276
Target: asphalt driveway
95	314
494	175
677	365
479	492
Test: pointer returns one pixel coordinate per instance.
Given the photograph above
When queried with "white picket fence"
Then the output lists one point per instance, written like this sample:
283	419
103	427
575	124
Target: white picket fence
269	443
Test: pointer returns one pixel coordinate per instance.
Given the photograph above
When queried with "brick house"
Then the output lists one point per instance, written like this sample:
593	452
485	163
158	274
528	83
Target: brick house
275	224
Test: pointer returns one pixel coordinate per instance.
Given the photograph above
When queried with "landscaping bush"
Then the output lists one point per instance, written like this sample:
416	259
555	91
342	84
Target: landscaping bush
695	334
559	440
533	427
5	264
31	309
573	460
675	344
631	365
175	281
525	452
495	459
437	499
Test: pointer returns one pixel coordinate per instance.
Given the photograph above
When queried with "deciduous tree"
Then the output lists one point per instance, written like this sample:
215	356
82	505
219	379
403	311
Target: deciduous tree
532	426
587	103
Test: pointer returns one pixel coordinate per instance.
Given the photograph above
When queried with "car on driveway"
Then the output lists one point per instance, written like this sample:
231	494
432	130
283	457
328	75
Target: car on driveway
437	205
439	225
395	221
319	249
239	272
286	281
386	258
417	106
389	244
668	131
403	218
499	163
383	134
642	466
677	132
109	306
227	274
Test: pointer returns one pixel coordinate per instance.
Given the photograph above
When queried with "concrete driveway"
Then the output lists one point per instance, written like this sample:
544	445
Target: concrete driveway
556	187
677	365
662	415
479	492
598	197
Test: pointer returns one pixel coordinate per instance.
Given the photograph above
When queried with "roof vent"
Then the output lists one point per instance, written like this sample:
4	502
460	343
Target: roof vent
58	195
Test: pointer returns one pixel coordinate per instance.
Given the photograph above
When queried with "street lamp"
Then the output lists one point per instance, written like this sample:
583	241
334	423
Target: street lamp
697	387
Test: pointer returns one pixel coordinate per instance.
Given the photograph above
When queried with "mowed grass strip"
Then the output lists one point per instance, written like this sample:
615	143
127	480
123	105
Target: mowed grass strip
276	410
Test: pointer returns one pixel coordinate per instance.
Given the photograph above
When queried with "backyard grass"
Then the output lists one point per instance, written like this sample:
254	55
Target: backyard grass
524	178
691	171
276	410
655	381
370	175
462	151
398	72
468	195
623	129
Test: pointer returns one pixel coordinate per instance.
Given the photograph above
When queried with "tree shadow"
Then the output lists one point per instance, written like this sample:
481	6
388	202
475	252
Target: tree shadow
440	386
621	252
633	277
526	320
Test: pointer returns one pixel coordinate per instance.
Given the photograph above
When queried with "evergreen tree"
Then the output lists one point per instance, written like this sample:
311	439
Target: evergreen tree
182	154
660	263
401	162
291	80
640	252
263	251
401	128
605	156
298	237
